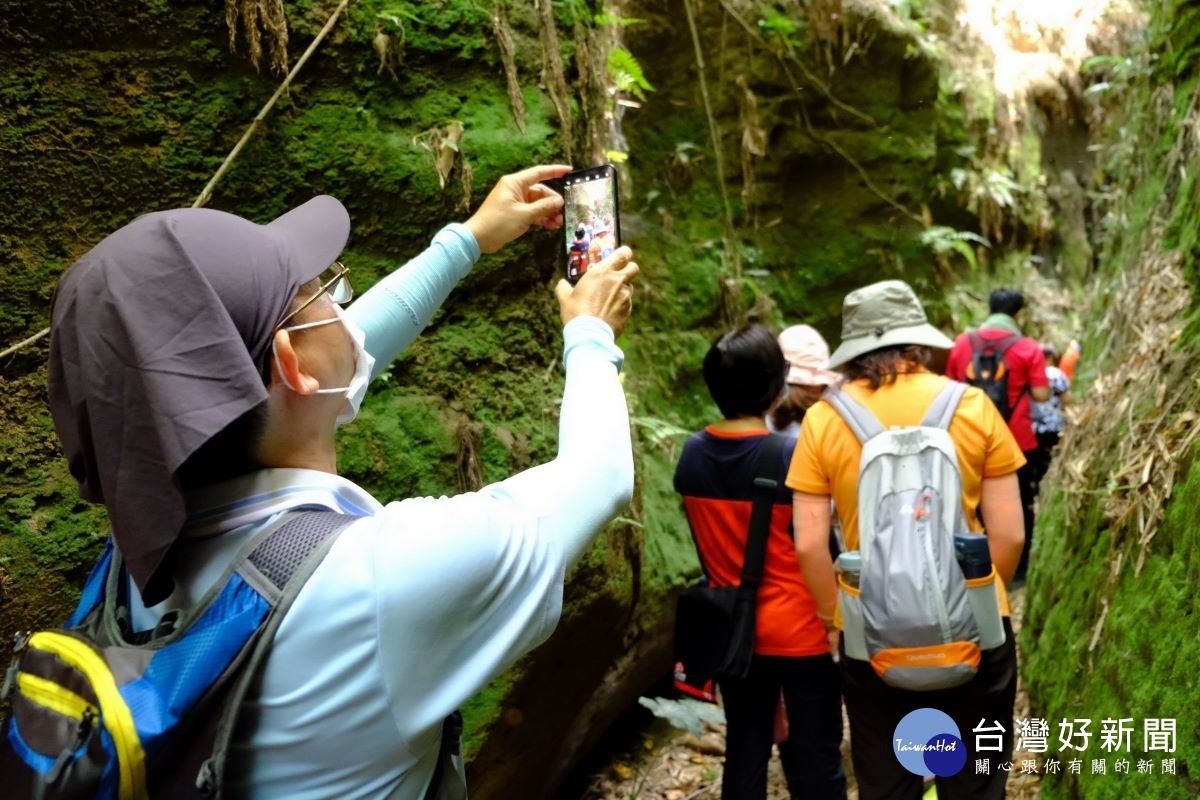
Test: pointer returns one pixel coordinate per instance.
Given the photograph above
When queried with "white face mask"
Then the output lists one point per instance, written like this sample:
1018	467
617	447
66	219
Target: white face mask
363	363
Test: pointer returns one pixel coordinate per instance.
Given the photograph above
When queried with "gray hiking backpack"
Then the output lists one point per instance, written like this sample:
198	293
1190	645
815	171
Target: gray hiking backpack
913	615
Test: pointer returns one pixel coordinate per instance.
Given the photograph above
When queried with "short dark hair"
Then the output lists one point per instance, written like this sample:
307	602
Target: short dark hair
880	367
1006	301
745	370
1051	353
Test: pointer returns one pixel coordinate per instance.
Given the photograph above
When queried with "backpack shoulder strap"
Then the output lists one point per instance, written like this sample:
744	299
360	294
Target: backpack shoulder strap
941	411
765	484
857	416
277	566
1002	345
999	346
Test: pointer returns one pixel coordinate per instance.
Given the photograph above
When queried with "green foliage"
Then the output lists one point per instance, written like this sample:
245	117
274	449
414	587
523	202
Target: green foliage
987	184
943	241
777	25
657	431
1177	27
609	18
626	73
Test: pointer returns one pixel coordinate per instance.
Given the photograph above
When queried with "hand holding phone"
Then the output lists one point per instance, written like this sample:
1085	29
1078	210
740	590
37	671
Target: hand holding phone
591	223
606	295
516	202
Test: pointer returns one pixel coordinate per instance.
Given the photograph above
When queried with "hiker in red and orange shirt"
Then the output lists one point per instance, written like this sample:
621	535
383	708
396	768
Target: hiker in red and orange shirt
744	371
1025	370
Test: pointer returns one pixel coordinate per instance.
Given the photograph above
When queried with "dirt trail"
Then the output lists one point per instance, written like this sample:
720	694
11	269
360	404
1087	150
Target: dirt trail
680	766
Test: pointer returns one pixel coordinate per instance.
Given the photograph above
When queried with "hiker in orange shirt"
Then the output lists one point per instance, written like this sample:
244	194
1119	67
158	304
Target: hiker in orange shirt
887	345
602	243
1070	359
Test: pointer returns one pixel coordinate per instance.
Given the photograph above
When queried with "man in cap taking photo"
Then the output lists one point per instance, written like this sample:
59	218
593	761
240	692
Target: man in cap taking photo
200	364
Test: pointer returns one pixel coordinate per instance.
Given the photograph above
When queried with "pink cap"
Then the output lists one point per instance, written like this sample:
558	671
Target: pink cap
807	355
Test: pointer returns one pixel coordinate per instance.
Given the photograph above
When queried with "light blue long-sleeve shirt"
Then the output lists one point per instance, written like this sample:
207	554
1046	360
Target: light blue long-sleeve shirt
395	310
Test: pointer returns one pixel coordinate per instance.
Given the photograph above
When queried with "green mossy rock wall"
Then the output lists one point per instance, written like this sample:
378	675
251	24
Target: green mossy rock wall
1112	627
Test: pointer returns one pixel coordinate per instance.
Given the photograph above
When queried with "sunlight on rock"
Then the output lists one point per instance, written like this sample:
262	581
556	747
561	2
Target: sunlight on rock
1036	44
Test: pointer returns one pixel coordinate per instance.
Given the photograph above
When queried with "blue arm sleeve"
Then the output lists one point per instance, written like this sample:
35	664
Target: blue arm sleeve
395	310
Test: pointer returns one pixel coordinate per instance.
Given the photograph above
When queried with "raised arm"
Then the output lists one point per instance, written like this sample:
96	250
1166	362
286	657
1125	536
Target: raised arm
485	570
395	310
591	478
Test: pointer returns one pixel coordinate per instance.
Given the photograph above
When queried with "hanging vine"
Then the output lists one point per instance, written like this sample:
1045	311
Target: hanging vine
714	132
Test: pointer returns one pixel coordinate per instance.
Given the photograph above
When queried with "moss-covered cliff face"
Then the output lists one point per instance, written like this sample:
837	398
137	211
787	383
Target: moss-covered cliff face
834	136
1113	622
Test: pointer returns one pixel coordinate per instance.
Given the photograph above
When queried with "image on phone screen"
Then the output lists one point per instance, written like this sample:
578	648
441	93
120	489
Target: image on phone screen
590	218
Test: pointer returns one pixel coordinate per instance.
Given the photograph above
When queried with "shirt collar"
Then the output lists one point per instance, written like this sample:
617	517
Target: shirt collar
257	495
1002	321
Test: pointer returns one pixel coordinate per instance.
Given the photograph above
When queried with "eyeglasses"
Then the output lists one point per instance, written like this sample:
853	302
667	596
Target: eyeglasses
335	281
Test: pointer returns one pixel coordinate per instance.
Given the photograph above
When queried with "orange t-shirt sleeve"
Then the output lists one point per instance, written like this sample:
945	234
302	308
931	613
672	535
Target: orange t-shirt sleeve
806	473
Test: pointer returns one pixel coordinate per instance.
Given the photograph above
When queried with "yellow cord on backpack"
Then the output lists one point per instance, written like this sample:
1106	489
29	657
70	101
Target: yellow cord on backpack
114	713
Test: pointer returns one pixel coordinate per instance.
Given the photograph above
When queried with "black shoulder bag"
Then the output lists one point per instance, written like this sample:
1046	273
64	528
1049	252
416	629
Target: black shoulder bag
714	627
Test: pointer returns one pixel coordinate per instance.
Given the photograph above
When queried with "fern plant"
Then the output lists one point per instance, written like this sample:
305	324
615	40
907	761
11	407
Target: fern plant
626	73
944	240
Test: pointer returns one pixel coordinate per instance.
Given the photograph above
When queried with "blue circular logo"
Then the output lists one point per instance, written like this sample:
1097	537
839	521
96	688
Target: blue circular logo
927	742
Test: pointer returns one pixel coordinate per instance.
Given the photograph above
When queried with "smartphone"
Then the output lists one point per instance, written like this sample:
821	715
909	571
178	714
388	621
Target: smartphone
591	224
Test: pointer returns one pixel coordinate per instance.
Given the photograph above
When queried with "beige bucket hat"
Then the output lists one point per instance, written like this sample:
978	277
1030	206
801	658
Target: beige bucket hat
884	314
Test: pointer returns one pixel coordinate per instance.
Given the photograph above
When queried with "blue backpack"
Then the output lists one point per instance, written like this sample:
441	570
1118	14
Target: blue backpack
100	711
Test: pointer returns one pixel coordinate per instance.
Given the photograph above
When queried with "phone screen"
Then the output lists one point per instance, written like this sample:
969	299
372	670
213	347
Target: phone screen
590	219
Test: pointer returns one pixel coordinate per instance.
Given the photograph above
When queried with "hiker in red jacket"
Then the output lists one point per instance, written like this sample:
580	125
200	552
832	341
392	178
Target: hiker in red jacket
1019	377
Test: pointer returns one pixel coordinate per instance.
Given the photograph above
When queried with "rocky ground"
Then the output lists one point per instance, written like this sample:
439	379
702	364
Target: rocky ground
668	764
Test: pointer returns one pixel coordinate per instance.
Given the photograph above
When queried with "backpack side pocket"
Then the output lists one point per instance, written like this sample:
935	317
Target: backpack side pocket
984	598
854	637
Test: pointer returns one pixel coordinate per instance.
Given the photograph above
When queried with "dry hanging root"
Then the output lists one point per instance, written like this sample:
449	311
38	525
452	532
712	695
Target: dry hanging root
754	144
1137	418
467	469
554	75
445	144
388	47
259	18
504	40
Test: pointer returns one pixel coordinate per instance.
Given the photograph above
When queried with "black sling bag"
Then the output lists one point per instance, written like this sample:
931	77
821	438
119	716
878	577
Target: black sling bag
714	626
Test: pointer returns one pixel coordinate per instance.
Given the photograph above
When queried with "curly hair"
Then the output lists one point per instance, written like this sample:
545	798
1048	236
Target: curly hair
880	367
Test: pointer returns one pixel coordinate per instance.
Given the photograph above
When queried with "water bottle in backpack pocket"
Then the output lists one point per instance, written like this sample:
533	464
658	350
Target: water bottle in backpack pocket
848	568
971	550
918	622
